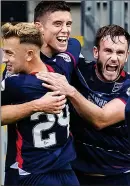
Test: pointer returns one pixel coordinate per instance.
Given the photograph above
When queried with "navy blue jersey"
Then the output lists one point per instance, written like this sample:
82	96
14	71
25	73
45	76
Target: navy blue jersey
43	140
11	133
55	155
66	61
127	115
106	151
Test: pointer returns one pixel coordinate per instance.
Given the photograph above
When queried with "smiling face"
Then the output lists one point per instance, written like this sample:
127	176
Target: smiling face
13	55
56	28
111	57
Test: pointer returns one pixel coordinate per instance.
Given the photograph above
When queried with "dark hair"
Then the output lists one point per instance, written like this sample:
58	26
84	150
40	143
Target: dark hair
49	6
113	31
26	32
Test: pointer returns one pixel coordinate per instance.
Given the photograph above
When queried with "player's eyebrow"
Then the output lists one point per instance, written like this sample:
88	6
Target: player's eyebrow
7	51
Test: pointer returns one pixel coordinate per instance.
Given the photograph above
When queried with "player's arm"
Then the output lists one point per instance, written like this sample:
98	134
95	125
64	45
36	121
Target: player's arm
49	103
111	113
13	113
100	118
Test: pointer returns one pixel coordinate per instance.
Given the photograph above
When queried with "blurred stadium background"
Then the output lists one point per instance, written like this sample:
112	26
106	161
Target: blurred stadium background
87	16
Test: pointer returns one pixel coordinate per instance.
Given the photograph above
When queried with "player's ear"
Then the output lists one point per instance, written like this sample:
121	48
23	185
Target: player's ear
127	55
95	52
39	26
29	55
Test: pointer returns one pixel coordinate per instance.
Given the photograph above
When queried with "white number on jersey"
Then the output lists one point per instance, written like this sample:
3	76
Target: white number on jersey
40	127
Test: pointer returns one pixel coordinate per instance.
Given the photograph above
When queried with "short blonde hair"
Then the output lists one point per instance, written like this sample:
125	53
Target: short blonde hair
26	32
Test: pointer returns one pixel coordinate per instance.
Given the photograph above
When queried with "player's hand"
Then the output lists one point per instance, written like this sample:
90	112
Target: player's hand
55	81
51	102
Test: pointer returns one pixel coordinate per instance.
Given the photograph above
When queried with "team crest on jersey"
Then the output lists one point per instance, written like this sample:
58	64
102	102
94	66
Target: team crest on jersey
128	91
66	57
117	87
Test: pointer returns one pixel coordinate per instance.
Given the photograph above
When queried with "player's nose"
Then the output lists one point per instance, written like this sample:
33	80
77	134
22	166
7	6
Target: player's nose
65	28
114	57
4	59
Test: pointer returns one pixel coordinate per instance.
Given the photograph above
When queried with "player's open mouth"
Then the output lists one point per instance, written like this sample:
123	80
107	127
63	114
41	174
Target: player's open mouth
111	68
62	39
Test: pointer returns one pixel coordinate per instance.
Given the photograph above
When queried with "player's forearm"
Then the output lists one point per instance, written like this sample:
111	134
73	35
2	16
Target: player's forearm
13	113
88	110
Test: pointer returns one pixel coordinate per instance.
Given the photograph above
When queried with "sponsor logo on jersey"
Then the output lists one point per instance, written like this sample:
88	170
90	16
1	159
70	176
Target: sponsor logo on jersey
66	57
95	99
117	87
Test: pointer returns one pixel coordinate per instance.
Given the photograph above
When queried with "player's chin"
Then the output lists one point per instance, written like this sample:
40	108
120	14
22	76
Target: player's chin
10	71
62	49
111	77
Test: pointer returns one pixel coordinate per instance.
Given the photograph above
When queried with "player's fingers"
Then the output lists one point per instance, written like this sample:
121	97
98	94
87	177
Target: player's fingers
61	98
43	74
54	93
44	77
53	75
57	111
51	87
61	107
48	75
49	80
60	103
39	76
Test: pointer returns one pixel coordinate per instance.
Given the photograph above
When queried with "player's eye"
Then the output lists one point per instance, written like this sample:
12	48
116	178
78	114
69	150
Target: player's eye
120	52
58	23
108	50
8	52
69	24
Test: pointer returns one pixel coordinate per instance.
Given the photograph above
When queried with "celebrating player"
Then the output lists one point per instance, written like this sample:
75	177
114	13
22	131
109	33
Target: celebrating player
54	21
44	144
101	138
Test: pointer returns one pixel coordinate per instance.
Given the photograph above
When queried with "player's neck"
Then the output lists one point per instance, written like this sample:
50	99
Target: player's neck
36	66
47	51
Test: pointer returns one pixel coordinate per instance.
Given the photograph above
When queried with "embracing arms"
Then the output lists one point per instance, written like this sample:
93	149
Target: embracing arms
51	102
100	118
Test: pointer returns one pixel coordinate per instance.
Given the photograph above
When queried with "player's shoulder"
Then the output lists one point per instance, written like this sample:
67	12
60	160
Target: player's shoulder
73	41
74	46
15	77
127	75
65	56
24	87
126	85
85	64
21	80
